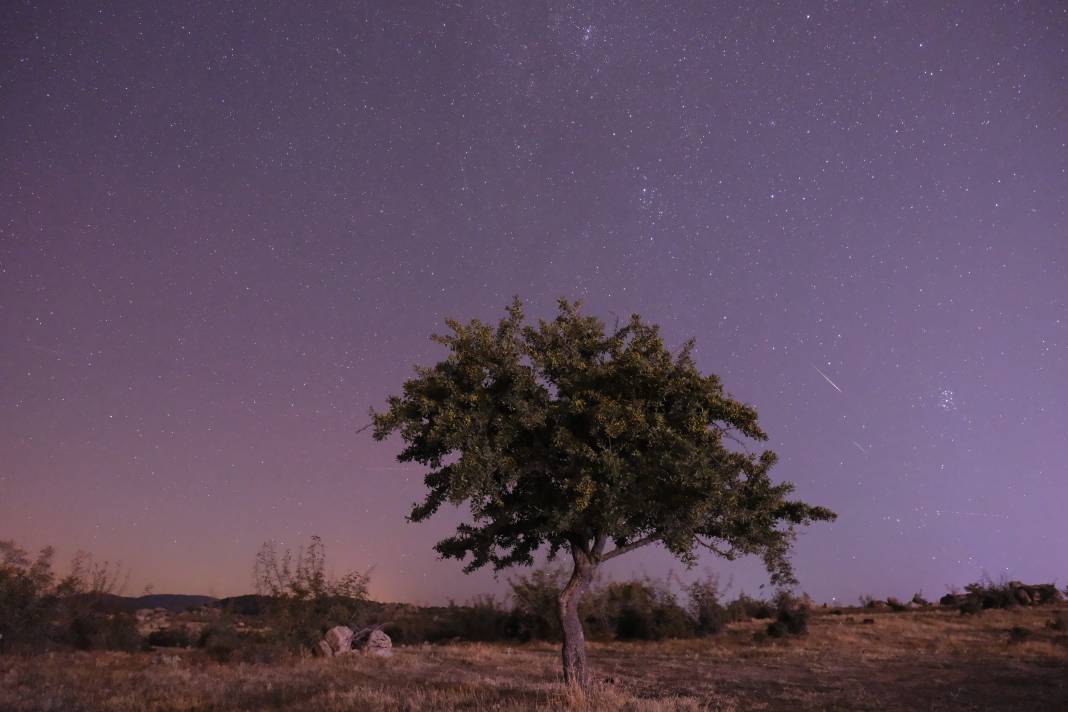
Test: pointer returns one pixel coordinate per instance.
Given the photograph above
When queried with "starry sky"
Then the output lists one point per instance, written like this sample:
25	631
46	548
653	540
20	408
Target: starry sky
228	229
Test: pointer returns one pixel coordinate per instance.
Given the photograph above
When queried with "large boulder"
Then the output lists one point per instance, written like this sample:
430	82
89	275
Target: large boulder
378	643
339	638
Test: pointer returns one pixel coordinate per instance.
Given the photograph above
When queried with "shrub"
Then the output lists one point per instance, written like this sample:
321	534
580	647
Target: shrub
302	601
745	607
483	619
100	631
176	637
790	620
636	610
703	604
534	604
992	595
38	613
896	605
219	642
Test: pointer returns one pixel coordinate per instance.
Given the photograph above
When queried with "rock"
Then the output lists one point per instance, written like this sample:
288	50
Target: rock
1045	593
378	643
323	649
339	638
1022	596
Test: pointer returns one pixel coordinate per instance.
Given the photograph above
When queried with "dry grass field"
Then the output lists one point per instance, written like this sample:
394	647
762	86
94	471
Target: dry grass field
919	660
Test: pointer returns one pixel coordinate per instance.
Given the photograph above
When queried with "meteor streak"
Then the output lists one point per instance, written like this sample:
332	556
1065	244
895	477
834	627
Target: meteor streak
826	378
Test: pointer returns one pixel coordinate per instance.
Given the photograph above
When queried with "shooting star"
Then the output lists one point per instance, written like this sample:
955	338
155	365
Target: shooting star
940	512
47	350
860	447
826	378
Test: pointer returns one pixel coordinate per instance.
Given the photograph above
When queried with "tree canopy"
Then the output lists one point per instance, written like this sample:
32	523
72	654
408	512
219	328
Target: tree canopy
566	434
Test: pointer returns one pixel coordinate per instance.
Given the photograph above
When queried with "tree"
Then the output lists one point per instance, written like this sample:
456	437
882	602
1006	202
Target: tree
589	442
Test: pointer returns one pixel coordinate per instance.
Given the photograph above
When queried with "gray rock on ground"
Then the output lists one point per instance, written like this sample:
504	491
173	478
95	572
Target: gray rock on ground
378	643
339	638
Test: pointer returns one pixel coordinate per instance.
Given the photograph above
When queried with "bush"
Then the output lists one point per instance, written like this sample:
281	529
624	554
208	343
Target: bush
534	602
302	602
745	607
896	605
791	618
170	638
970	606
219	642
40	613
636	610
704	607
100	631
992	595
483	619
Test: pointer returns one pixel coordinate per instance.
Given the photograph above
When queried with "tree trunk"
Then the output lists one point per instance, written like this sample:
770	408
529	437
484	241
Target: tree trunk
574	648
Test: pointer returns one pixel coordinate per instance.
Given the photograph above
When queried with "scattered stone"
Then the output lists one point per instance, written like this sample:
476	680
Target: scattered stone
339	638
378	643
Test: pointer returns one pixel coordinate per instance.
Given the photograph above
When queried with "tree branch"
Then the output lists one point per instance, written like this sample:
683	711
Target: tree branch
599	541
725	553
620	550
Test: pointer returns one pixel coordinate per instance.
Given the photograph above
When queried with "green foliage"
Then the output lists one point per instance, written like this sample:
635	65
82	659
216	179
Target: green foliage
534	603
39	612
643	609
27	594
302	600
565	435
703	604
220	642
746	607
482	619
790	619
176	637
91	630
896	605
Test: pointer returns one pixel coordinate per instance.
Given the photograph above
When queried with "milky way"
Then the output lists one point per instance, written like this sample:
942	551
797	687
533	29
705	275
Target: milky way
227	230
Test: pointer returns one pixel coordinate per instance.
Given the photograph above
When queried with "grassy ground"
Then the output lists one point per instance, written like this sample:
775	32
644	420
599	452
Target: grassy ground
924	660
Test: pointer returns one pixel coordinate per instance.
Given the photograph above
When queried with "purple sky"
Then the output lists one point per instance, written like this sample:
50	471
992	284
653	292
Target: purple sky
225	234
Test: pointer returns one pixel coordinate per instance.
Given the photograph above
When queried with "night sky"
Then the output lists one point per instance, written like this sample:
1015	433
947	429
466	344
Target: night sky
227	231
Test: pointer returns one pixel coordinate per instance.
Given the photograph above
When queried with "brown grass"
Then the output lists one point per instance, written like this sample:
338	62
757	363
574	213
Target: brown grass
931	660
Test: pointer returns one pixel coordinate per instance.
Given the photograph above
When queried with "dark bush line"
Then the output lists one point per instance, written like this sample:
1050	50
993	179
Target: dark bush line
986	594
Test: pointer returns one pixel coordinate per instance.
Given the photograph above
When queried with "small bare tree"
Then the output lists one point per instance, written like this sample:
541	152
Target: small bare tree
303	598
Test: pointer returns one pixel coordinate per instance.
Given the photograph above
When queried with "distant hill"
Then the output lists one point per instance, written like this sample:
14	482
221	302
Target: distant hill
175	602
